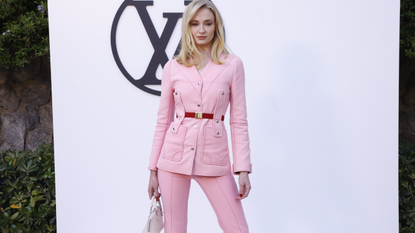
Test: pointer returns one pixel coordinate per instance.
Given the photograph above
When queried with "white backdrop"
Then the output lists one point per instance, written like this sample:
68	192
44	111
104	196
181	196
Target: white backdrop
322	96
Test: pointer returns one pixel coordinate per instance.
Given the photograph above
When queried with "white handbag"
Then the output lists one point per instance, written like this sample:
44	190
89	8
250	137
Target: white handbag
155	219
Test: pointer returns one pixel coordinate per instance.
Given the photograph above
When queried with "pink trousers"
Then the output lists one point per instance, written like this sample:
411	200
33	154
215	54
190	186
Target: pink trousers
220	190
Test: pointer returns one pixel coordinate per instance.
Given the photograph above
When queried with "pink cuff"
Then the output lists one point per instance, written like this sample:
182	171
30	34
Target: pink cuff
236	171
153	168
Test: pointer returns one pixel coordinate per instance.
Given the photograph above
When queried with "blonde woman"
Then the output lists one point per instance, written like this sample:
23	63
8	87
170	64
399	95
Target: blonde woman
190	140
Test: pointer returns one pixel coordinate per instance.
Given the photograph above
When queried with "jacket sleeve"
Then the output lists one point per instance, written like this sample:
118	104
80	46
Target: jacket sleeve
164	116
238	121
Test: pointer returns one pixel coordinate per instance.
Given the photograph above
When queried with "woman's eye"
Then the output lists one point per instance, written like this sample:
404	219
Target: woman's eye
208	24
194	24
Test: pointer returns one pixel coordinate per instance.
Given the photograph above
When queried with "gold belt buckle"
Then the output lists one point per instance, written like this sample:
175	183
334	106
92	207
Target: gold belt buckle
198	115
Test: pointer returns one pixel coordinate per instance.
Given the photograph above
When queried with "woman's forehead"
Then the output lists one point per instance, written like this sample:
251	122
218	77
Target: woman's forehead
203	14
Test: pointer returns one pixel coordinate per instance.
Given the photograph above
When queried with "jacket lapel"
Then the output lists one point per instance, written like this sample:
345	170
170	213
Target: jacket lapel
191	74
212	71
209	75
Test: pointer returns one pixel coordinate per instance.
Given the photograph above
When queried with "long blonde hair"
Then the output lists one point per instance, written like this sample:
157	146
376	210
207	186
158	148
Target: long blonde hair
189	53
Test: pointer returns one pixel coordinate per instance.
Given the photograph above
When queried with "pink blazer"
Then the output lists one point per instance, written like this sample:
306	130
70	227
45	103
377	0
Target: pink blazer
200	146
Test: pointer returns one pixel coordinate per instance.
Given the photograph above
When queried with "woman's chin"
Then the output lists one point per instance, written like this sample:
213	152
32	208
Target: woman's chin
202	43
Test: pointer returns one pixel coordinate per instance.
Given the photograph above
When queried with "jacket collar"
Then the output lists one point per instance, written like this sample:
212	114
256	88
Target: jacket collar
209	75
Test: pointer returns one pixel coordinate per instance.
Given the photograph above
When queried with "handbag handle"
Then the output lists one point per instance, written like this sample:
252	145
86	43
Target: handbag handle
154	203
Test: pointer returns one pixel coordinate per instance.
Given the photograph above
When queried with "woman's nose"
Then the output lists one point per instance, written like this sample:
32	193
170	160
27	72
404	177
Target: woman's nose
202	29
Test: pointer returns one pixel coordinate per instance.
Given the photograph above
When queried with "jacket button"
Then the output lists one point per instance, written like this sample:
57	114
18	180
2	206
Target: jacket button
217	133
217	121
199	83
174	128
222	93
195	126
175	93
192	148
198	105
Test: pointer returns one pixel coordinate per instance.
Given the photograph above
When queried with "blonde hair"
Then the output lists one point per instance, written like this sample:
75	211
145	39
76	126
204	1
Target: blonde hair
189	53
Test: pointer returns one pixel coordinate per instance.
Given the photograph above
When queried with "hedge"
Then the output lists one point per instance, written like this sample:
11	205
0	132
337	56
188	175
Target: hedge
406	188
24	31
407	27
27	191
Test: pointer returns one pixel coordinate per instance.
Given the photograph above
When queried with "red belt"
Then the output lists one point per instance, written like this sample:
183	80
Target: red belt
200	115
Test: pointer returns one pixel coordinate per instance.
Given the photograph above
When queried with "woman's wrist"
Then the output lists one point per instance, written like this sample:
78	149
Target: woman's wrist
153	173
243	173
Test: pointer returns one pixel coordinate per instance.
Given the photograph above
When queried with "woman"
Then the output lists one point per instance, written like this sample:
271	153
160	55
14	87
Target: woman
190	140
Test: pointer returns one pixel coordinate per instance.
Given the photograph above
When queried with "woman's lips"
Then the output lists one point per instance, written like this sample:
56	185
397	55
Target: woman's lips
201	37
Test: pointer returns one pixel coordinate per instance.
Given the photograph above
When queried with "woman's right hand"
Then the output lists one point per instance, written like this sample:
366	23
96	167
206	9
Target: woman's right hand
153	185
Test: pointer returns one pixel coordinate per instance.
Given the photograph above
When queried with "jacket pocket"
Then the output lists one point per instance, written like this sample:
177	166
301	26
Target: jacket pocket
215	149
173	144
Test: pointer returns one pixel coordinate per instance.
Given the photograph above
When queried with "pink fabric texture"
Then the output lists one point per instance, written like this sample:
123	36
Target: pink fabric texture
220	190
193	146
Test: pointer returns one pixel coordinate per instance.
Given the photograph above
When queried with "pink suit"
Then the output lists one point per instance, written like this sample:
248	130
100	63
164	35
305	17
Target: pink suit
186	148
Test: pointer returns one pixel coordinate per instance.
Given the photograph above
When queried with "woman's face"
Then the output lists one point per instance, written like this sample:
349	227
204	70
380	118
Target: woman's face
203	27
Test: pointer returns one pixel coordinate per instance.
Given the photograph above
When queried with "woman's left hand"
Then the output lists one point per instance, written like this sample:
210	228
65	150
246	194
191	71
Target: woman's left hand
244	186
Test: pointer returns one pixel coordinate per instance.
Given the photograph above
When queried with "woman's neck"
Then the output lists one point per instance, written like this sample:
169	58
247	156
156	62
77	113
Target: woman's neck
206	51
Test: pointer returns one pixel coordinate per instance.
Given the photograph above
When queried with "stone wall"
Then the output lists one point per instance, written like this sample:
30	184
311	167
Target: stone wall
26	106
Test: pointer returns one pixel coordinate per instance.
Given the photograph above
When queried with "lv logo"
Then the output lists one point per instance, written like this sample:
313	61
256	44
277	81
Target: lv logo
159	43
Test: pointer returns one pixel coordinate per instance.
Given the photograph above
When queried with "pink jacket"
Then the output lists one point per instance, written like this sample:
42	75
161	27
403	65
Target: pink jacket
200	146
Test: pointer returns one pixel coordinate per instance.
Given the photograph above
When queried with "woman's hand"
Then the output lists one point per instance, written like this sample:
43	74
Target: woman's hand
153	185
244	186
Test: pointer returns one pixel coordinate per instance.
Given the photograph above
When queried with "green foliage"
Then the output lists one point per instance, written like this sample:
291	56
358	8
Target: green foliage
407	30
406	188
24	31
27	191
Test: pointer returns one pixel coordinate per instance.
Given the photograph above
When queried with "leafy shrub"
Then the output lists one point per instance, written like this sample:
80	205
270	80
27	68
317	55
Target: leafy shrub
406	188
27	191
407	30
24	32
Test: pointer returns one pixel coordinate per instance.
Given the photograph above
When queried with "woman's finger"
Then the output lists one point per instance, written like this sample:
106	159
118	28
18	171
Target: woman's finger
244	186
242	189
157	194
153	186
241	192
247	190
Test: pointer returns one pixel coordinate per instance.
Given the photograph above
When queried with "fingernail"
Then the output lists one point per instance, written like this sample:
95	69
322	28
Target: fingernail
240	195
